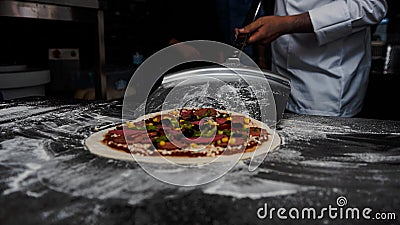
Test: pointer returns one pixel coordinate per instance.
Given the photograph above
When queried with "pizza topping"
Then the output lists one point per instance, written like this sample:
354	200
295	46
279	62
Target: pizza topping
204	112
188	132
221	120
255	131
166	145
186	114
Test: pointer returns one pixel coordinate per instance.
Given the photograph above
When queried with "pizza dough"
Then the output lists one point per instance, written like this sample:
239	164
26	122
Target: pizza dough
95	145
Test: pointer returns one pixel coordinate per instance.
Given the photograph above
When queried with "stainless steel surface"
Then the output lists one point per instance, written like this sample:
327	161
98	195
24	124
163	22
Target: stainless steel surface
25	83
12	68
66	10
392	62
280	86
94	4
45	11
26	78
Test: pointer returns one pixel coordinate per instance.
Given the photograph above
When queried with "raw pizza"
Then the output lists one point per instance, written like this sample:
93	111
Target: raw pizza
187	135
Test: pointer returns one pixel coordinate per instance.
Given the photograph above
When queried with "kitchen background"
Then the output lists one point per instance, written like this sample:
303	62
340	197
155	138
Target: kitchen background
70	48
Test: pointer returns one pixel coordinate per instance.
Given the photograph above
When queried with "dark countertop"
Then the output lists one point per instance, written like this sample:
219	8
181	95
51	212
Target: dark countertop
48	177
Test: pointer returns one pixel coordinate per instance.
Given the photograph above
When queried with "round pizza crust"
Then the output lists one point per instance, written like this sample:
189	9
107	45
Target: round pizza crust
94	143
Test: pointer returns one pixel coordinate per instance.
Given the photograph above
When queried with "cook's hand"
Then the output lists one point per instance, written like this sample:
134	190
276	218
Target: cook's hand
264	29
268	28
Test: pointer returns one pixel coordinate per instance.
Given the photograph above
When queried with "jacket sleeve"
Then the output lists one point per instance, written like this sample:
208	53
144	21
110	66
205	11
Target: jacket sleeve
343	17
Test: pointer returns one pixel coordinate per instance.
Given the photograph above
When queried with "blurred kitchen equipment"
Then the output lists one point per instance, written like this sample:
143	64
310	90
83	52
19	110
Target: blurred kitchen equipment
82	12
137	59
77	3
117	80
380	33
17	81
378	49
392	62
64	67
12	68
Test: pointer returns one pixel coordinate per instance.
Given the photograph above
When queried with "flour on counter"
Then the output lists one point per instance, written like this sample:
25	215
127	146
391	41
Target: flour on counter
15	153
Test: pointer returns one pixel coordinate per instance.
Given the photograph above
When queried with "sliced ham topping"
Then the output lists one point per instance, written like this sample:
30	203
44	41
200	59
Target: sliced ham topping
127	132
219	136
238	120
185	114
220	120
224	126
205	112
197	122
207	139
159	126
120	140
142	138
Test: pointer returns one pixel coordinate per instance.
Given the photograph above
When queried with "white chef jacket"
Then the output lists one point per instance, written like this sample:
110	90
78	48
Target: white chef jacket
329	68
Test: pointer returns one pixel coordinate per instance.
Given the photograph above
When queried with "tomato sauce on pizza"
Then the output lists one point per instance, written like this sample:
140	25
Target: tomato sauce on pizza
188	132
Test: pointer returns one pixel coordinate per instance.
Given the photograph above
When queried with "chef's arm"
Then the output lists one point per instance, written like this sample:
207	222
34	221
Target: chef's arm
268	28
329	22
342	18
